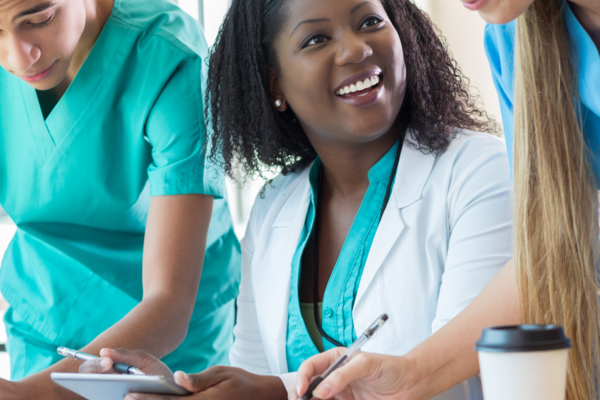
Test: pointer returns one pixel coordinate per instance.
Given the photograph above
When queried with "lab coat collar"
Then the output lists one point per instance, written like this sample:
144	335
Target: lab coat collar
413	172
294	192
289	214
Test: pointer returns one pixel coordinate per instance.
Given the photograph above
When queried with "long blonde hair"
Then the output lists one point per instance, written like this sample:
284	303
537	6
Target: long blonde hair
556	203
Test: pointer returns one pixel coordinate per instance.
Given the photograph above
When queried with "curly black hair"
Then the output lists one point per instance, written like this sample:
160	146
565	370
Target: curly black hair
249	133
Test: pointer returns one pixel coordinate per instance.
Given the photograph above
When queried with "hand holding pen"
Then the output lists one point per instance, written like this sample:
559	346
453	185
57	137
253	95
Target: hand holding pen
117	366
308	369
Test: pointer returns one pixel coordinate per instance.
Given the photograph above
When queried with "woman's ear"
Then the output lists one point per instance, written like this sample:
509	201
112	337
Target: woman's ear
277	96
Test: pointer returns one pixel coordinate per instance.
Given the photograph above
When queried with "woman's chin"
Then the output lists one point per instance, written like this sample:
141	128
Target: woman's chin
504	13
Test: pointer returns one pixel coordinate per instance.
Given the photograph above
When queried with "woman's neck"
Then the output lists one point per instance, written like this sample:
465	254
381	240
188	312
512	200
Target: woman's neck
97	13
587	13
346	165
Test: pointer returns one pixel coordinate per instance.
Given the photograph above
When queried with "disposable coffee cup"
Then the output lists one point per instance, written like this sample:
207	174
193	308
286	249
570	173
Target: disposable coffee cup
523	362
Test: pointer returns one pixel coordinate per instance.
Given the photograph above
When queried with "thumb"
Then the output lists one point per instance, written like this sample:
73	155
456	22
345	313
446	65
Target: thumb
358	367
192	382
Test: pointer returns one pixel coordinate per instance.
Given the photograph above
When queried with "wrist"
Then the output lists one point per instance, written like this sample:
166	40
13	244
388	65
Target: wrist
12	390
272	388
411	373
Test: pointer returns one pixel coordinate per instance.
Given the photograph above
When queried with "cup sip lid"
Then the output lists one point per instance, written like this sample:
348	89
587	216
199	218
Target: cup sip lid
517	338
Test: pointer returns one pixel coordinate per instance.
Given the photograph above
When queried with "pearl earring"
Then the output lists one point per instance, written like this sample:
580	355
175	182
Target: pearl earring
277	103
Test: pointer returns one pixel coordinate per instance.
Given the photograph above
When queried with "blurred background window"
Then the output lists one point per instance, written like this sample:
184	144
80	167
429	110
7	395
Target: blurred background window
463	31
7	230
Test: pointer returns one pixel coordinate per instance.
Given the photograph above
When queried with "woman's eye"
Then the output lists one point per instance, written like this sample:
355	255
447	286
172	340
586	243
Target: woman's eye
315	40
36	25
371	21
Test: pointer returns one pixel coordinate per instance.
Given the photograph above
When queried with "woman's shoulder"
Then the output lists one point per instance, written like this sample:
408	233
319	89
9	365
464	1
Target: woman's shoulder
162	21
282	186
475	153
276	193
478	142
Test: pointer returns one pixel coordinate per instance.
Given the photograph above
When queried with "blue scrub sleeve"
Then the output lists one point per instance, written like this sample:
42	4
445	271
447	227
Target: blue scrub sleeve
175	130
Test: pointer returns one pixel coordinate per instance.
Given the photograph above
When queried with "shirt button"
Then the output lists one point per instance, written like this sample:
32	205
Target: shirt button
327	312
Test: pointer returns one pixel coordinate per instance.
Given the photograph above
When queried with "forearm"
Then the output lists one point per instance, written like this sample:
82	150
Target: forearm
448	357
156	325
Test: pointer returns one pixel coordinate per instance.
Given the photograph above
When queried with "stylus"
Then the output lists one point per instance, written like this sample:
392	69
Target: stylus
118	367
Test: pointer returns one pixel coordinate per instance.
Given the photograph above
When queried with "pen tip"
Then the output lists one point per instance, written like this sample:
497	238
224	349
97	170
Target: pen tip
384	317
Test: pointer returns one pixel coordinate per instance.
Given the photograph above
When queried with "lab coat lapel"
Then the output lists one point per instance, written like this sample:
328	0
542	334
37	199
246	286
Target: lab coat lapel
413	172
272	272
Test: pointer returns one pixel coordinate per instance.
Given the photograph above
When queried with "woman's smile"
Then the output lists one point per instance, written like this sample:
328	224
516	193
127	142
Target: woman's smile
362	89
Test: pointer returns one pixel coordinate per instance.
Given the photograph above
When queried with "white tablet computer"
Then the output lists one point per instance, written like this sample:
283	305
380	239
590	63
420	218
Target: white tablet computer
115	387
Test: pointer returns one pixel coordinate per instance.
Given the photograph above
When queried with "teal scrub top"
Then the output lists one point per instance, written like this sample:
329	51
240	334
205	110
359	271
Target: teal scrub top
500	49
78	184
342	287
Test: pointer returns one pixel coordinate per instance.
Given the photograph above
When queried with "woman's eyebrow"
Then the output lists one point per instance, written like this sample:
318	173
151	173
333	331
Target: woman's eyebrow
310	21
34	10
355	9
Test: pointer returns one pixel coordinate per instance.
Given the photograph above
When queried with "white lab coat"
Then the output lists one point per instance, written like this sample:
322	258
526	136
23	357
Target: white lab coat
445	233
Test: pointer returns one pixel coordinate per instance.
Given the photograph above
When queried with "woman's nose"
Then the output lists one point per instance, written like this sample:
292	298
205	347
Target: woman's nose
22	55
353	50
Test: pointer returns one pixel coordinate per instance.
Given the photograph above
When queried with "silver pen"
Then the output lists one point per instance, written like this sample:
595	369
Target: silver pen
369	333
118	367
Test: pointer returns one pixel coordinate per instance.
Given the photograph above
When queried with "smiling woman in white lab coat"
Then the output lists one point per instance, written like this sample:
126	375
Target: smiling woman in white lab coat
389	202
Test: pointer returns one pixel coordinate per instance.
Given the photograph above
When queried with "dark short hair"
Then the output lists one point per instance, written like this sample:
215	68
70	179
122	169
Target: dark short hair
247	131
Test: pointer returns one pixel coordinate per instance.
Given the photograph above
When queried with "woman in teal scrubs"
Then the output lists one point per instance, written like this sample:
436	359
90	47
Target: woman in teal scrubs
102	168
545	61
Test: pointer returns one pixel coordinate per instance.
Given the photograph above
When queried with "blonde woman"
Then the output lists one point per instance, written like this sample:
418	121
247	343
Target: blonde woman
545	65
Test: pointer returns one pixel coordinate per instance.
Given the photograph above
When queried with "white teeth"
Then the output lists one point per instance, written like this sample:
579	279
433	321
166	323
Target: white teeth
359	86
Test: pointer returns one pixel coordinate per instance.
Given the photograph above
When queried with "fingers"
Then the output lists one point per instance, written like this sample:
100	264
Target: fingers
313	367
126	356
132	357
361	366
96	366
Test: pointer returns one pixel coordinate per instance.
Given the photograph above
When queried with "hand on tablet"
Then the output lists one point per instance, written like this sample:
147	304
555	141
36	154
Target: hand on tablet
224	383
148	364
366	376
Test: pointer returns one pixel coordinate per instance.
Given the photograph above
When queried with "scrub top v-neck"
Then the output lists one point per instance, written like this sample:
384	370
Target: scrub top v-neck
78	183
338	302
500	48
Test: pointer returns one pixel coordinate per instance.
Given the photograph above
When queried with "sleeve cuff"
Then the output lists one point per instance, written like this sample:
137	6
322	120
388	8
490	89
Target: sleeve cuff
289	381
164	187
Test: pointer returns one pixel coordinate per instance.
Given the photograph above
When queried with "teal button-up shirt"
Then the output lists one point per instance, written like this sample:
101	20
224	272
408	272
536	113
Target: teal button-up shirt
343	284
